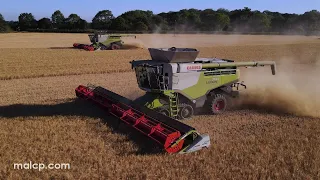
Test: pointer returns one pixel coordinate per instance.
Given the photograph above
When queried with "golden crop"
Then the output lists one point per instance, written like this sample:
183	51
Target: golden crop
272	132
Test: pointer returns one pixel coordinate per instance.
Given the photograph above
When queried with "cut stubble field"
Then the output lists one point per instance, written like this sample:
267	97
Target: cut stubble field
272	132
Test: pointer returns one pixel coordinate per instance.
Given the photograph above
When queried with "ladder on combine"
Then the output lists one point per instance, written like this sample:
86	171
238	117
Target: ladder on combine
173	105
163	82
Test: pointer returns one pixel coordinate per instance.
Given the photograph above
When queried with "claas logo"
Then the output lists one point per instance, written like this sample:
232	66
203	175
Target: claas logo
193	67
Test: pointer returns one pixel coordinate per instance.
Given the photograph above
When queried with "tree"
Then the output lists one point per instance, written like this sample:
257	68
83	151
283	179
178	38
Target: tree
311	21
239	19
189	19
72	21
157	20
277	21
45	23
4	27
158	23
73	18
75	22
221	21
102	20
27	21
14	25
58	19
132	19
171	18
259	22
292	24
207	19
213	20
140	26
118	24
223	11
81	24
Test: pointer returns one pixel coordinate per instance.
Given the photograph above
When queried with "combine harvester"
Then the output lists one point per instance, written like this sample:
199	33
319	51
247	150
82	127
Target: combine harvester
176	83
103	42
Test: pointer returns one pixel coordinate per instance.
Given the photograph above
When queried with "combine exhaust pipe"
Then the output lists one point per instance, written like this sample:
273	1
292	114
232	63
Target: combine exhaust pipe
172	135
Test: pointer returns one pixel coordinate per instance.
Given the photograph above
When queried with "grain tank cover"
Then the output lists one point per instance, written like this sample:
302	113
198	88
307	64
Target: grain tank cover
173	55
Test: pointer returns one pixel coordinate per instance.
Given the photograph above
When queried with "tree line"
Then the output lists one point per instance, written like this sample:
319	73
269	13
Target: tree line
220	20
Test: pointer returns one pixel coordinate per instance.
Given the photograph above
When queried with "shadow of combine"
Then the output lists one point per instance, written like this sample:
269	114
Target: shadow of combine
261	109
62	48
124	47
78	107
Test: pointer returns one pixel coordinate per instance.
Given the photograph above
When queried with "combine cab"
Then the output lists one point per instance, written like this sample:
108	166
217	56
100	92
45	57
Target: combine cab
176	83
103	42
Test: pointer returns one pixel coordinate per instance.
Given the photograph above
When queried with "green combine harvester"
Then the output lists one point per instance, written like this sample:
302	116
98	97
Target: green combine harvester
103	42
176	83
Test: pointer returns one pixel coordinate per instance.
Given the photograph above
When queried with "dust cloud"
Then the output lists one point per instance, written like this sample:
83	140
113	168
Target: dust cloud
293	90
132	43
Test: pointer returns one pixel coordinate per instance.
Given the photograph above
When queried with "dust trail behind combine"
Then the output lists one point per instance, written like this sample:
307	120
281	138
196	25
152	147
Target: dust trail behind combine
132	43
294	90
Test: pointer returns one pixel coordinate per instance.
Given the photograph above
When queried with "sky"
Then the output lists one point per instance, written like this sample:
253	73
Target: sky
87	9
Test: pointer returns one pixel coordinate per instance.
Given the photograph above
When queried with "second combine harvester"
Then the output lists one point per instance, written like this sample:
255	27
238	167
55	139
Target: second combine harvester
101	41
176	84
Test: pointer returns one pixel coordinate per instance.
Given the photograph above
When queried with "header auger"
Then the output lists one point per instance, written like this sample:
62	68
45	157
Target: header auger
172	135
103	42
176	84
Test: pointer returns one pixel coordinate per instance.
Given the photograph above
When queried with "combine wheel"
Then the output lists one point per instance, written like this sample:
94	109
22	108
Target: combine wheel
103	47
115	46
164	110
218	104
185	111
